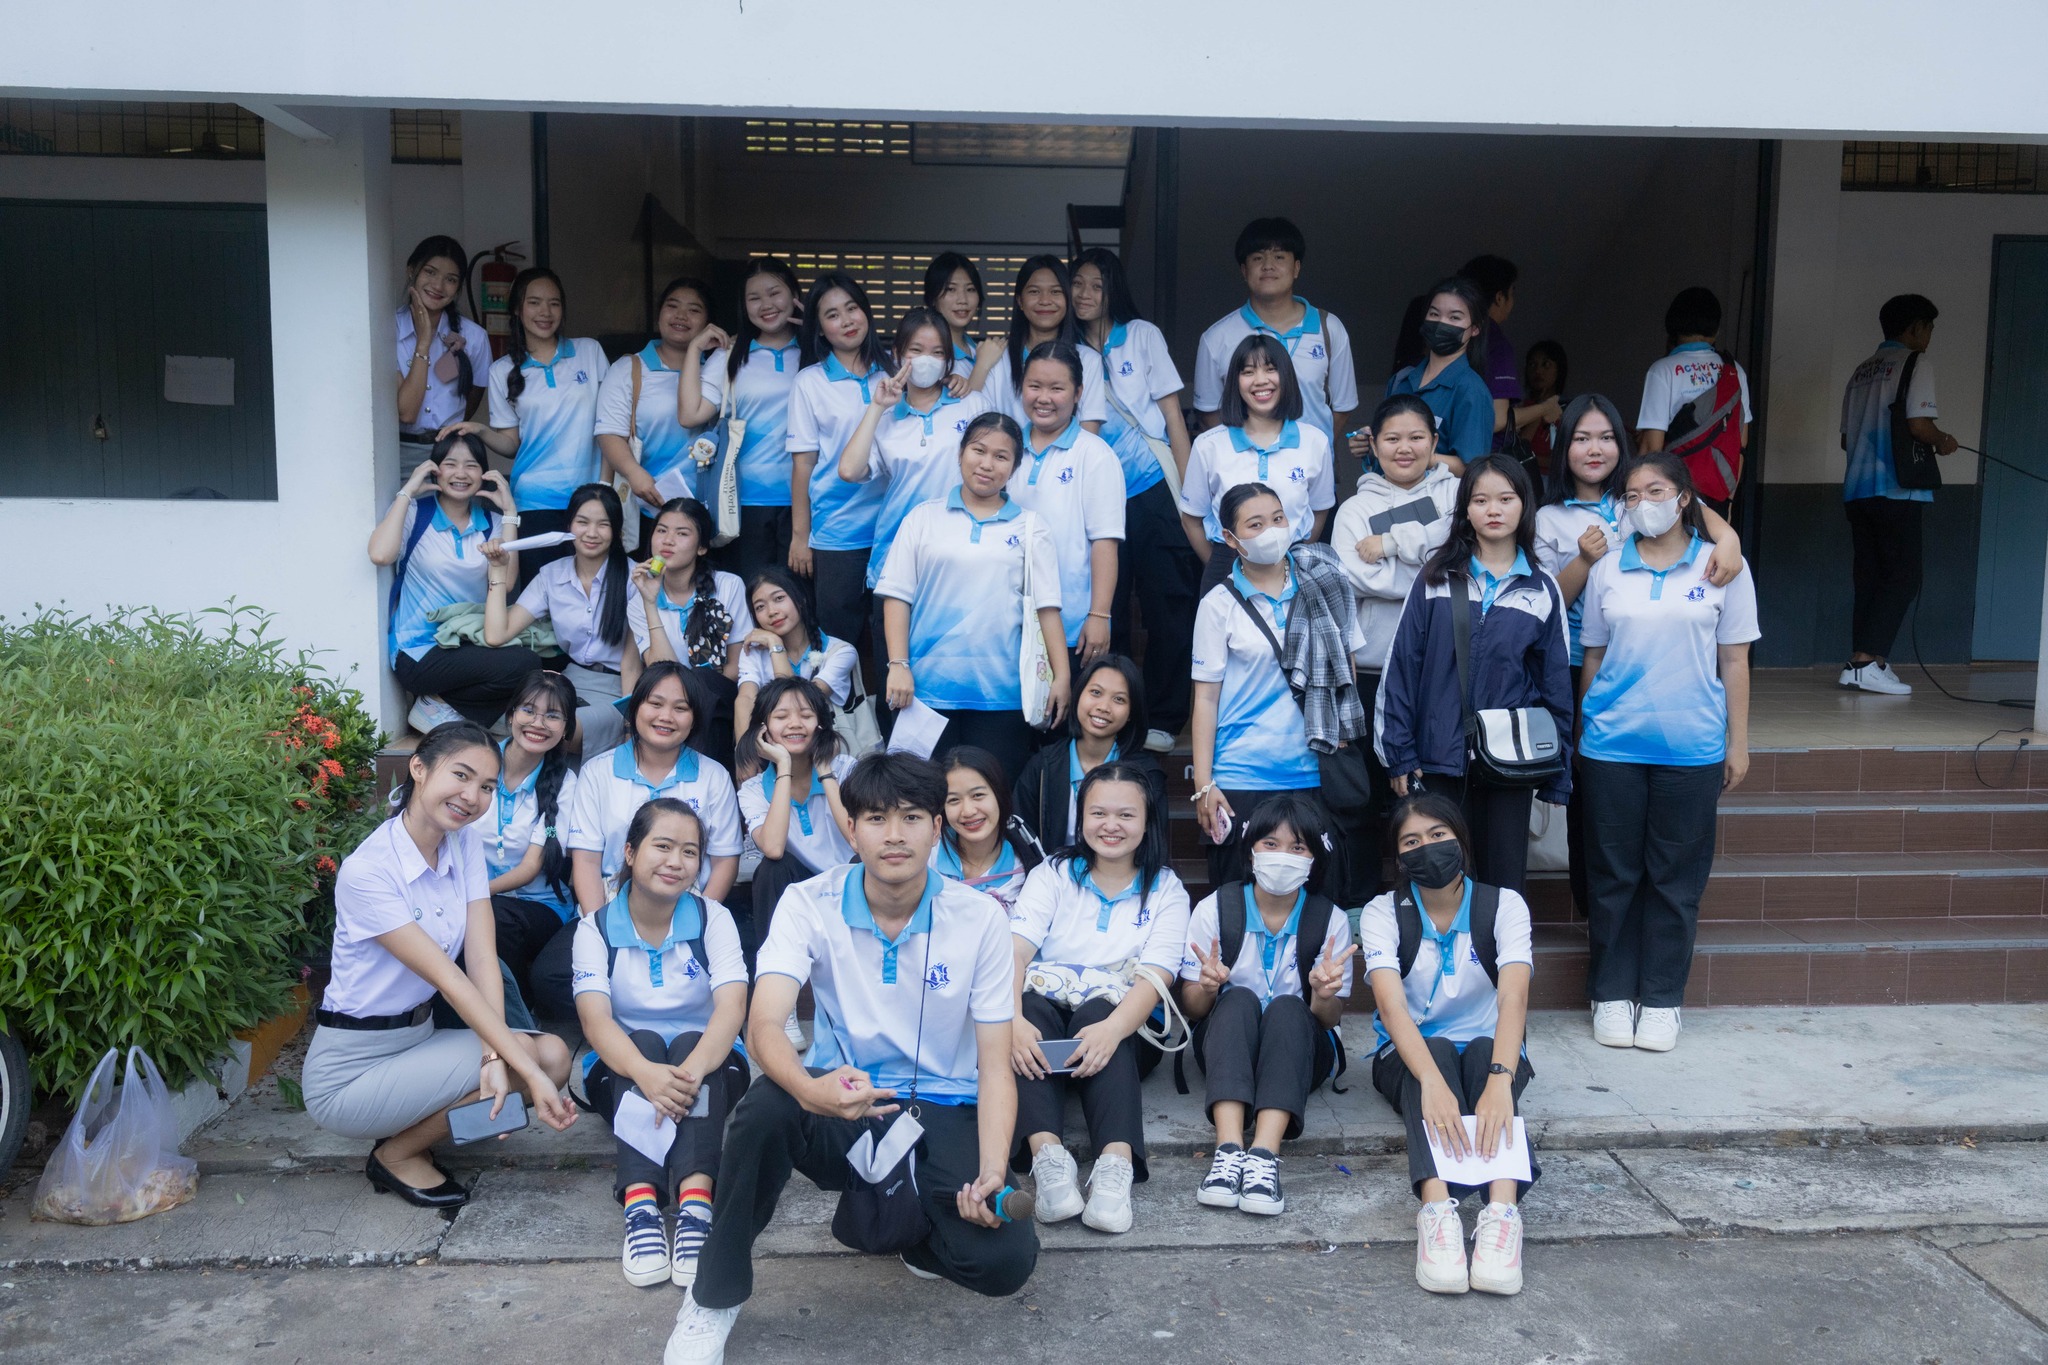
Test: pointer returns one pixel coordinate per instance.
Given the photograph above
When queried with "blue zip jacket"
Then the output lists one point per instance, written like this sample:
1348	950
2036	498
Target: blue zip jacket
1520	657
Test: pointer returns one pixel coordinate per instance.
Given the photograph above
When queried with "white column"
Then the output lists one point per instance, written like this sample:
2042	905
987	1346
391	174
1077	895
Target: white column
332	301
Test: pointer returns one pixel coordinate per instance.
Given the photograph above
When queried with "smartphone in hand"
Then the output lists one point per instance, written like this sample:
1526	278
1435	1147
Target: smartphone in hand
473	1122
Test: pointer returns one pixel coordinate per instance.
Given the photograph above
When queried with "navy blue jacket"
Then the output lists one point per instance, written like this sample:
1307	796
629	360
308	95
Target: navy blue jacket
1520	657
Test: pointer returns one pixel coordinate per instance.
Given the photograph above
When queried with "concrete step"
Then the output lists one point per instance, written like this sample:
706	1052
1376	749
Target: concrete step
1830	886
1881	822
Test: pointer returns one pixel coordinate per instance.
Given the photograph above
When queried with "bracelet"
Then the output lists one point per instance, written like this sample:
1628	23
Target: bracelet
1202	792
490	1057
1103	614
497	583
778	649
511	519
899	663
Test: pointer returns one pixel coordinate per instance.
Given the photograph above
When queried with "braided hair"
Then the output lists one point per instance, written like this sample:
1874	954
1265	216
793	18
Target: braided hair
515	382
709	628
542	687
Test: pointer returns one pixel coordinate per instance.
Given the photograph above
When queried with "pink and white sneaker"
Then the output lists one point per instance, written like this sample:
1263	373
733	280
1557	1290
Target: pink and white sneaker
1497	1250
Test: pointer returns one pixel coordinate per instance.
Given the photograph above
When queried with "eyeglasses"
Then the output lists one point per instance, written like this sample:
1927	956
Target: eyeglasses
527	712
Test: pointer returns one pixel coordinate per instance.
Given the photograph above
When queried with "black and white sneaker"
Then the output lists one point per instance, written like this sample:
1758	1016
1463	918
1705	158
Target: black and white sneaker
1259	1191
1220	1188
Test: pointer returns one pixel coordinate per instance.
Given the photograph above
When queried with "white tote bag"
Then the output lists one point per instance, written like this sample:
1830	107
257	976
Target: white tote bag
1034	666
1548	849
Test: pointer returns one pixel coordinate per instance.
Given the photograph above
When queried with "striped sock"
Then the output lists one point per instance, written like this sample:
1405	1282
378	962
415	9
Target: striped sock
695	1201
639	1197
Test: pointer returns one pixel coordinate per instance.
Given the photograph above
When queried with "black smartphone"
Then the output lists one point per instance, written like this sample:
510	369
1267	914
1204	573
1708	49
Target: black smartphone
473	1122
1059	1054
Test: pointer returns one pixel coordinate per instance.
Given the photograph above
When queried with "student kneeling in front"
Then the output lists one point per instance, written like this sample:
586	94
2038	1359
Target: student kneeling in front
1450	1036
895	954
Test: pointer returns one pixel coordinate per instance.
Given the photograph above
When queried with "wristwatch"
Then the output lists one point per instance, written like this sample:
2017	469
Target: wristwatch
1498	1070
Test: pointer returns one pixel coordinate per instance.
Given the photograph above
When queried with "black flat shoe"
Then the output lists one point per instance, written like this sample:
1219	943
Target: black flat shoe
446	1195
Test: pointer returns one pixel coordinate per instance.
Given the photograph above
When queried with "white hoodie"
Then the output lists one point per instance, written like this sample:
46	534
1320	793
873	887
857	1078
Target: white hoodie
1414	522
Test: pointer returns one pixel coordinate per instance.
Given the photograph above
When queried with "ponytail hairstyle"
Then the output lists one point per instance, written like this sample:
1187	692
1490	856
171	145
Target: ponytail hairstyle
1001	423
473	445
539	687
1020	326
747	333
611	612
812	348
1304	815
1118	306
515	382
1395	404
442	743
1151	856
747	759
1464	539
709	627
1563	483
1432	806
440	244
642	825
1674	469
1476	305
916	320
799	595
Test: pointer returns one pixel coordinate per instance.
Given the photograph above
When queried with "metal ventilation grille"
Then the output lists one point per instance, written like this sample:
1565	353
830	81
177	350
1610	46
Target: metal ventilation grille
1933	167
826	137
894	277
216	132
426	137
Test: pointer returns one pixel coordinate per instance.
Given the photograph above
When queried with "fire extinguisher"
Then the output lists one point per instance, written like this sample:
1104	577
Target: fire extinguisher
498	273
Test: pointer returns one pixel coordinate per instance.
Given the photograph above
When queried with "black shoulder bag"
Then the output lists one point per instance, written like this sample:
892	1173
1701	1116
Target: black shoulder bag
1915	464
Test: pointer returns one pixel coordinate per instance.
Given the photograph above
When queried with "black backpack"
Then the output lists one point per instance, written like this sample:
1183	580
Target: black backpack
1485	909
1308	946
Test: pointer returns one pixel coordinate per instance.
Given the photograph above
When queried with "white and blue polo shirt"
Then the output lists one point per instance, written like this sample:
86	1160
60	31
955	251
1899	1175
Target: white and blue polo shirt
556	596
1867	423
1296	466
1658	698
664	442
444	401
675	616
964	581
1265	964
1067	919
1450	996
1076	487
814	833
1004	880
1558	528
761	400
1003	395
952	965
660	987
446	566
556	417
611	789
824	410
915	457
829	664
513	825
1139	372
1322	361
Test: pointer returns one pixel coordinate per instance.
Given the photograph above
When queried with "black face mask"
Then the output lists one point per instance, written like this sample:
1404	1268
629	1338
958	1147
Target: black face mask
1442	338
1434	866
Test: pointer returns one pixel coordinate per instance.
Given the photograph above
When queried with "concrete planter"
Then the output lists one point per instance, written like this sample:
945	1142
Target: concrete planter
247	1060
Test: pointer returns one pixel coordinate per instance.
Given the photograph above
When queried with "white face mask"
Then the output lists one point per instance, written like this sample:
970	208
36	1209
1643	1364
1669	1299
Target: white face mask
927	370
1653	519
1269	546
1281	874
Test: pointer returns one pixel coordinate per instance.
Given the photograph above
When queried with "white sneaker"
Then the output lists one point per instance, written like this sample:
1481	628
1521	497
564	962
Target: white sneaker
793	1029
1109	1195
1874	677
1657	1029
700	1333
1226	1172
1058	1183
1158	742
427	712
1899	685
919	1273
1440	1248
691	1233
1614	1023
645	1255
1497	1250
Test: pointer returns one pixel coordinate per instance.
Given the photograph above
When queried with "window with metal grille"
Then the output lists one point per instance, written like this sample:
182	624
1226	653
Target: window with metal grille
223	132
1955	167
827	137
1019	144
894	276
426	137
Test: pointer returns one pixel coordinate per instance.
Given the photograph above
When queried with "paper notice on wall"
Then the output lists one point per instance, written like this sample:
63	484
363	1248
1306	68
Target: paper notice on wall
204	379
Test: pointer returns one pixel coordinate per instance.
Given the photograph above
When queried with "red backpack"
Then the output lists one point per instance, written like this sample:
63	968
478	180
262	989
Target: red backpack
1707	434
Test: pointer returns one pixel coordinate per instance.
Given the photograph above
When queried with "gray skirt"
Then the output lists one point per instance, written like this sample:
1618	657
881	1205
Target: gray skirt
372	1084
598	722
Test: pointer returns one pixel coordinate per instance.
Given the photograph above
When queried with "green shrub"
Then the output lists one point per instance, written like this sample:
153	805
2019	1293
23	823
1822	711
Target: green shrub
175	795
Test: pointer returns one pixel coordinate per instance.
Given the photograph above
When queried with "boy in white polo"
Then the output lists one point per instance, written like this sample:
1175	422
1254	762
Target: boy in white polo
912	976
1269	255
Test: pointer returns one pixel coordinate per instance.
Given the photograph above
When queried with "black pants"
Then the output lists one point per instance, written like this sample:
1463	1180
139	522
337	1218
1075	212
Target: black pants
1110	1101
1499	819
1216	568
1465	1072
524	928
1230	861
839	586
548	992
1649	850
712	735
773	1136
1263	1059
698	1140
764	540
474	679
1887	540
1157	566
1004	733
771	878
1575	825
532	522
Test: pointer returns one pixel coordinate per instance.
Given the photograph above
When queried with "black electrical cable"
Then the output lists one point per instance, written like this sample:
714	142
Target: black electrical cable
2004	464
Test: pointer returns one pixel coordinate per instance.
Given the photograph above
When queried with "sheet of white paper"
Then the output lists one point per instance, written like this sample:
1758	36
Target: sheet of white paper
872	1160
207	379
1511	1162
546	540
675	483
917	731
643	1127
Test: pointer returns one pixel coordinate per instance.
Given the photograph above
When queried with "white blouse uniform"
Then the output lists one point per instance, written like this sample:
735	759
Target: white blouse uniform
1068	920
556	417
1558	528
814	833
1003	396
513	825
444	401
385	885
1452	997
1138	372
825	408
953	964
1319	345
831	668
664	442
611	789
761	400
556	596
1265	963
915	456
675	616
660	987
1296	467
1412	523
1075	486
446	566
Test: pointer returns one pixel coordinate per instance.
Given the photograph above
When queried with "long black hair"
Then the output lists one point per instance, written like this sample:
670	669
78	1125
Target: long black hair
799	595
709	628
940	273
1020	326
825	744
440	244
1561	483
1118	306
611	610
542	685
1464	538
744	335
989	769
442	743
1151	856
515	382
1131	738
812	350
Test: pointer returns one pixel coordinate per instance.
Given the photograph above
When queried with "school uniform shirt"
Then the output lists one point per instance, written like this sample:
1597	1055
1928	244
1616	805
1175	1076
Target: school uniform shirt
1449	993
964	356
1677	379
914	458
556	417
1296	467
1138	372
1265	963
1069	920
1867	423
830	667
952	967
611	788
814	834
1411	523
1462	403
1321	349
1658	697
556	596
964	581
384	885
1076	489
1003	882
1558	528
1003	396
445	400
760	399
447	566
513	825
664	442
661	987
675	616
825	407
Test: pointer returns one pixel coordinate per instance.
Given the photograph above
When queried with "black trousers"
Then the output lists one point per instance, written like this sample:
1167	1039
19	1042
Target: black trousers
1230	861
1263	1059
1575	825
764	540
524	928
548	978
1649	851
1156	565
839	587
698	1140
1499	819
1465	1072
1216	568
1886	535
1004	733
773	1136
476	680
532	522
771	878
1110	1101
